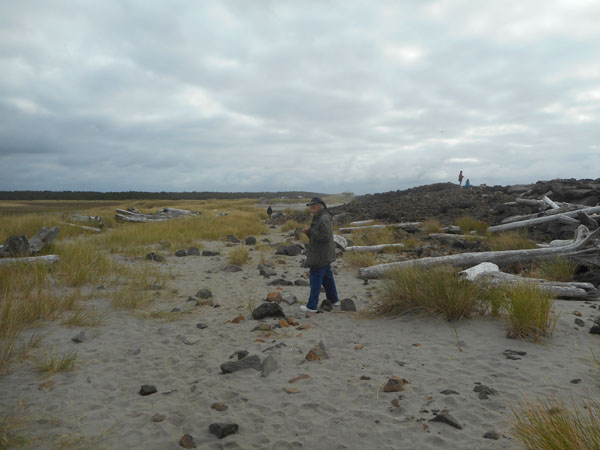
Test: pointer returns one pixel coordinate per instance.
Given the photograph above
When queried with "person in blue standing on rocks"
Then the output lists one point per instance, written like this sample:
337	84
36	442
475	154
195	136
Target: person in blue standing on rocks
320	253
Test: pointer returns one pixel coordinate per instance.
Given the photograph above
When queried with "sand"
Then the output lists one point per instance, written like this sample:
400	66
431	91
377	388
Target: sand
98	405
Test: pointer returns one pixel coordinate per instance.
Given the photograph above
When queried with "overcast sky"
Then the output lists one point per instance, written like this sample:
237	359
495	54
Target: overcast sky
296	95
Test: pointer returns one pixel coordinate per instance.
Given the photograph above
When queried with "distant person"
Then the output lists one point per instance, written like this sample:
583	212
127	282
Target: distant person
460	178
270	211
320	254
467	183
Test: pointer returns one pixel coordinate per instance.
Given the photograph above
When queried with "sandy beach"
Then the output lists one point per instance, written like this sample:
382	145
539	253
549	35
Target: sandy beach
337	403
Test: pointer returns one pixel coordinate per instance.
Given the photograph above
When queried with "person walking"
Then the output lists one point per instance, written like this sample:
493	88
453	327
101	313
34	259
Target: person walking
270	211
460	178
320	254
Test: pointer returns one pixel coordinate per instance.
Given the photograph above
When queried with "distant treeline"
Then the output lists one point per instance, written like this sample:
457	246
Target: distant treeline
139	195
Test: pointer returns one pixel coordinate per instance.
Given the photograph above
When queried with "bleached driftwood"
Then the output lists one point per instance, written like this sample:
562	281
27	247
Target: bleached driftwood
361	222
42	238
372	248
340	241
97	220
177	211
549	202
133	215
446	237
582	238
83	227
47	259
540	220
404	225
586	220
490	273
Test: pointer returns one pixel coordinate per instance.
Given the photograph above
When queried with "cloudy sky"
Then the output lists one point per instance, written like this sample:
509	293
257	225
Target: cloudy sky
296	95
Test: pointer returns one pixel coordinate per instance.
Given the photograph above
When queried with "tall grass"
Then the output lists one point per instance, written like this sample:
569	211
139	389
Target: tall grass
52	363
239	255
468	224
135	292
432	226
81	262
554	425
529	311
290	225
431	291
555	269
374	236
510	240
359	259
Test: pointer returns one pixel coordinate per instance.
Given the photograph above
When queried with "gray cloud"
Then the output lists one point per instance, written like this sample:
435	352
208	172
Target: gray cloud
332	96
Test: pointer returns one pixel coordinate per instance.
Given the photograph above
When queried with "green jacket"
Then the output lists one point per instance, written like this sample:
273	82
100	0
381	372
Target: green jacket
321	249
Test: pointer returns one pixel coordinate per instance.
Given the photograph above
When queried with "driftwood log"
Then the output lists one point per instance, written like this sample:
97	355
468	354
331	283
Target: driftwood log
540	220
490	274
372	248
361	222
407	226
47	259
581	240
83	227
133	215
93	220
340	241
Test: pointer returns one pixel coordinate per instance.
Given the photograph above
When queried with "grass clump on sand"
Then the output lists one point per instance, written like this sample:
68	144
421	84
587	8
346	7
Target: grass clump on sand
554	269
433	290
138	283
81	262
290	225
510	240
84	318
359	259
374	236
239	255
468	224
553	425
432	226
529	311
52	363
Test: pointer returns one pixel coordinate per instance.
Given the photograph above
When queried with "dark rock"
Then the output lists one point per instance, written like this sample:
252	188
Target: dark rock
513	354
209	253
191	298
484	391
595	329
579	322
148	389
222	430
290	250
347	304
365	377
176	310
326	305
233	239
193	251
280	282
491	435
181	253
267	309
239	354
250	240
187	441
201	326
232	268
204	293
249	362
301	282
266	271
447	418
155	257
158	418
449	392
394	384
15	246
79	337
576	381
268	365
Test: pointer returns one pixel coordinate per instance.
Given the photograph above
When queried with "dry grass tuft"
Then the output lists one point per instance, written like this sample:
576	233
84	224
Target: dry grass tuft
510	240
359	259
529	311
430	291
468	224
554	269
239	255
81	262
52	363
85	318
374	236
432	226
554	425
290	225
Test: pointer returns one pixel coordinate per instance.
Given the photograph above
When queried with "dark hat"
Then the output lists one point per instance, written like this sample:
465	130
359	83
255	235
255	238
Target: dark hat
316	200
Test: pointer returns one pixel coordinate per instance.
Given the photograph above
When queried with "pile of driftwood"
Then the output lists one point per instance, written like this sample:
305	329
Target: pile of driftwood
133	215
21	249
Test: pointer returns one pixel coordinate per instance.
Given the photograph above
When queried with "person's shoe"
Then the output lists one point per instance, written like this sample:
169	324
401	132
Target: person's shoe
304	308
336	304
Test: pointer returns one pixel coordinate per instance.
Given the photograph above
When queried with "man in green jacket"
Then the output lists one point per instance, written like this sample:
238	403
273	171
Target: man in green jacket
320	254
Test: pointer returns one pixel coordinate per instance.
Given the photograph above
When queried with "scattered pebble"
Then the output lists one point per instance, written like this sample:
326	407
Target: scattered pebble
491	435
394	384
218	406
187	441
158	418
447	418
222	430
148	389
79	337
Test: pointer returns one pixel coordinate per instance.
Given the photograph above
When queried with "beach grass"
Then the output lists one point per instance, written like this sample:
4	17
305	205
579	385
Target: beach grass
432	225
374	236
290	225
51	362
529	311
510	240
554	269
239	255
360	259
468	224
555	425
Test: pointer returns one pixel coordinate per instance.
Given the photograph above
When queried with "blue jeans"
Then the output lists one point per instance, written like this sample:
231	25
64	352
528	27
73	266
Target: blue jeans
321	276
